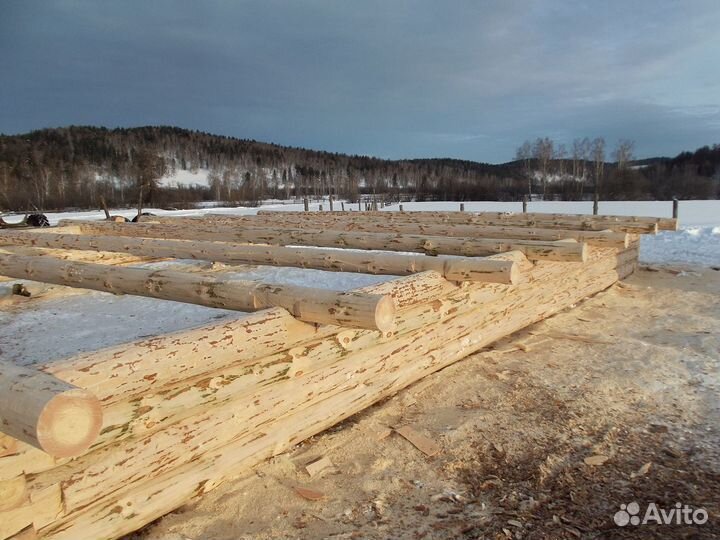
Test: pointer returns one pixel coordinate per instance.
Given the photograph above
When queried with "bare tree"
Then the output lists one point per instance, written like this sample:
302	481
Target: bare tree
559	156
543	152
598	157
524	154
147	169
623	153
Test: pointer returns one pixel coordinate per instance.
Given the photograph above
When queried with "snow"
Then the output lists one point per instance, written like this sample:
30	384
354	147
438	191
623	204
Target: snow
54	329
198	177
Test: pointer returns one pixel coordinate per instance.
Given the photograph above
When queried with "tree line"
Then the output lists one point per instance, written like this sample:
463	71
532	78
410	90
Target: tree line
79	166
588	169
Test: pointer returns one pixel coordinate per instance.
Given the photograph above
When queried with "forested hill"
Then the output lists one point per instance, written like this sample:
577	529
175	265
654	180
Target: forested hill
73	166
76	166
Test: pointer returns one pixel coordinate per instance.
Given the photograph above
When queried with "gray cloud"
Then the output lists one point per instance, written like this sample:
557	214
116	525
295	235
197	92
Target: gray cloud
395	79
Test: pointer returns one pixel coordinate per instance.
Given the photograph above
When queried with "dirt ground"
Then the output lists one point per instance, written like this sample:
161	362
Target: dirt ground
543	436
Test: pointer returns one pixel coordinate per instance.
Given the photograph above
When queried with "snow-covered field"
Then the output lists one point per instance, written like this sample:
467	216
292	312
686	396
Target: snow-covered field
698	241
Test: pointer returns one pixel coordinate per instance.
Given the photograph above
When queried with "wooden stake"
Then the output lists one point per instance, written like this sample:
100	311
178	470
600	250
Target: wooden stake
105	208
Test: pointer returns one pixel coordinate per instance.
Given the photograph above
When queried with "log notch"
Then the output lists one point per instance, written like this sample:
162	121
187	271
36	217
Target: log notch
432	245
350	308
50	414
358	223
451	268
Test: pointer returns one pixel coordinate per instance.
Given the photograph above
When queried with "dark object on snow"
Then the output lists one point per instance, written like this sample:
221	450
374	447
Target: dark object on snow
20	290
33	220
37	220
135	219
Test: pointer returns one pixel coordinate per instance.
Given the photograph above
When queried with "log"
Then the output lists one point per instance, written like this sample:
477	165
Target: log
47	413
357	310
626	224
432	245
139	415
166	365
322	370
146	499
605	238
125	371
451	268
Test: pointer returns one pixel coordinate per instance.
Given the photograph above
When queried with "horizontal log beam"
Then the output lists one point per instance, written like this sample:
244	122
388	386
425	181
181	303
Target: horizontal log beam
552	221
358	310
432	245
47	413
451	268
357	223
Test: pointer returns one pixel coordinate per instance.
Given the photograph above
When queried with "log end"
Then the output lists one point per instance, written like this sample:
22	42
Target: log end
385	314
583	251
69	423
514	274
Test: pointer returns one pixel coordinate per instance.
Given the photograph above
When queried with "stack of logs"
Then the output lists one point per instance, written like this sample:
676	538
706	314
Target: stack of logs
100	444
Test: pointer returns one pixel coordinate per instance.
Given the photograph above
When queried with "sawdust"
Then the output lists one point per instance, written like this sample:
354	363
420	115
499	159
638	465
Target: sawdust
633	376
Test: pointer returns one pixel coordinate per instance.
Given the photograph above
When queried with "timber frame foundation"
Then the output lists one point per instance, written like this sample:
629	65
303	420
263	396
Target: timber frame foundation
100	444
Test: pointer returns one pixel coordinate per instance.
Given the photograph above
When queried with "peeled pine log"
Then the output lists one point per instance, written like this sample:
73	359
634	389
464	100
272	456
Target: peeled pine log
451	268
47	413
153	367
550	221
664	224
323	371
358	223
129	370
432	245
145	499
315	305
145	413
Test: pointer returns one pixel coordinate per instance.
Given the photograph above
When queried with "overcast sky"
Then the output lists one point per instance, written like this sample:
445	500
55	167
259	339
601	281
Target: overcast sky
465	79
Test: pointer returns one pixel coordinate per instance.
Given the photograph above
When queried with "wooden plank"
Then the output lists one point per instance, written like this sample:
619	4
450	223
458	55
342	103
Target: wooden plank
426	445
